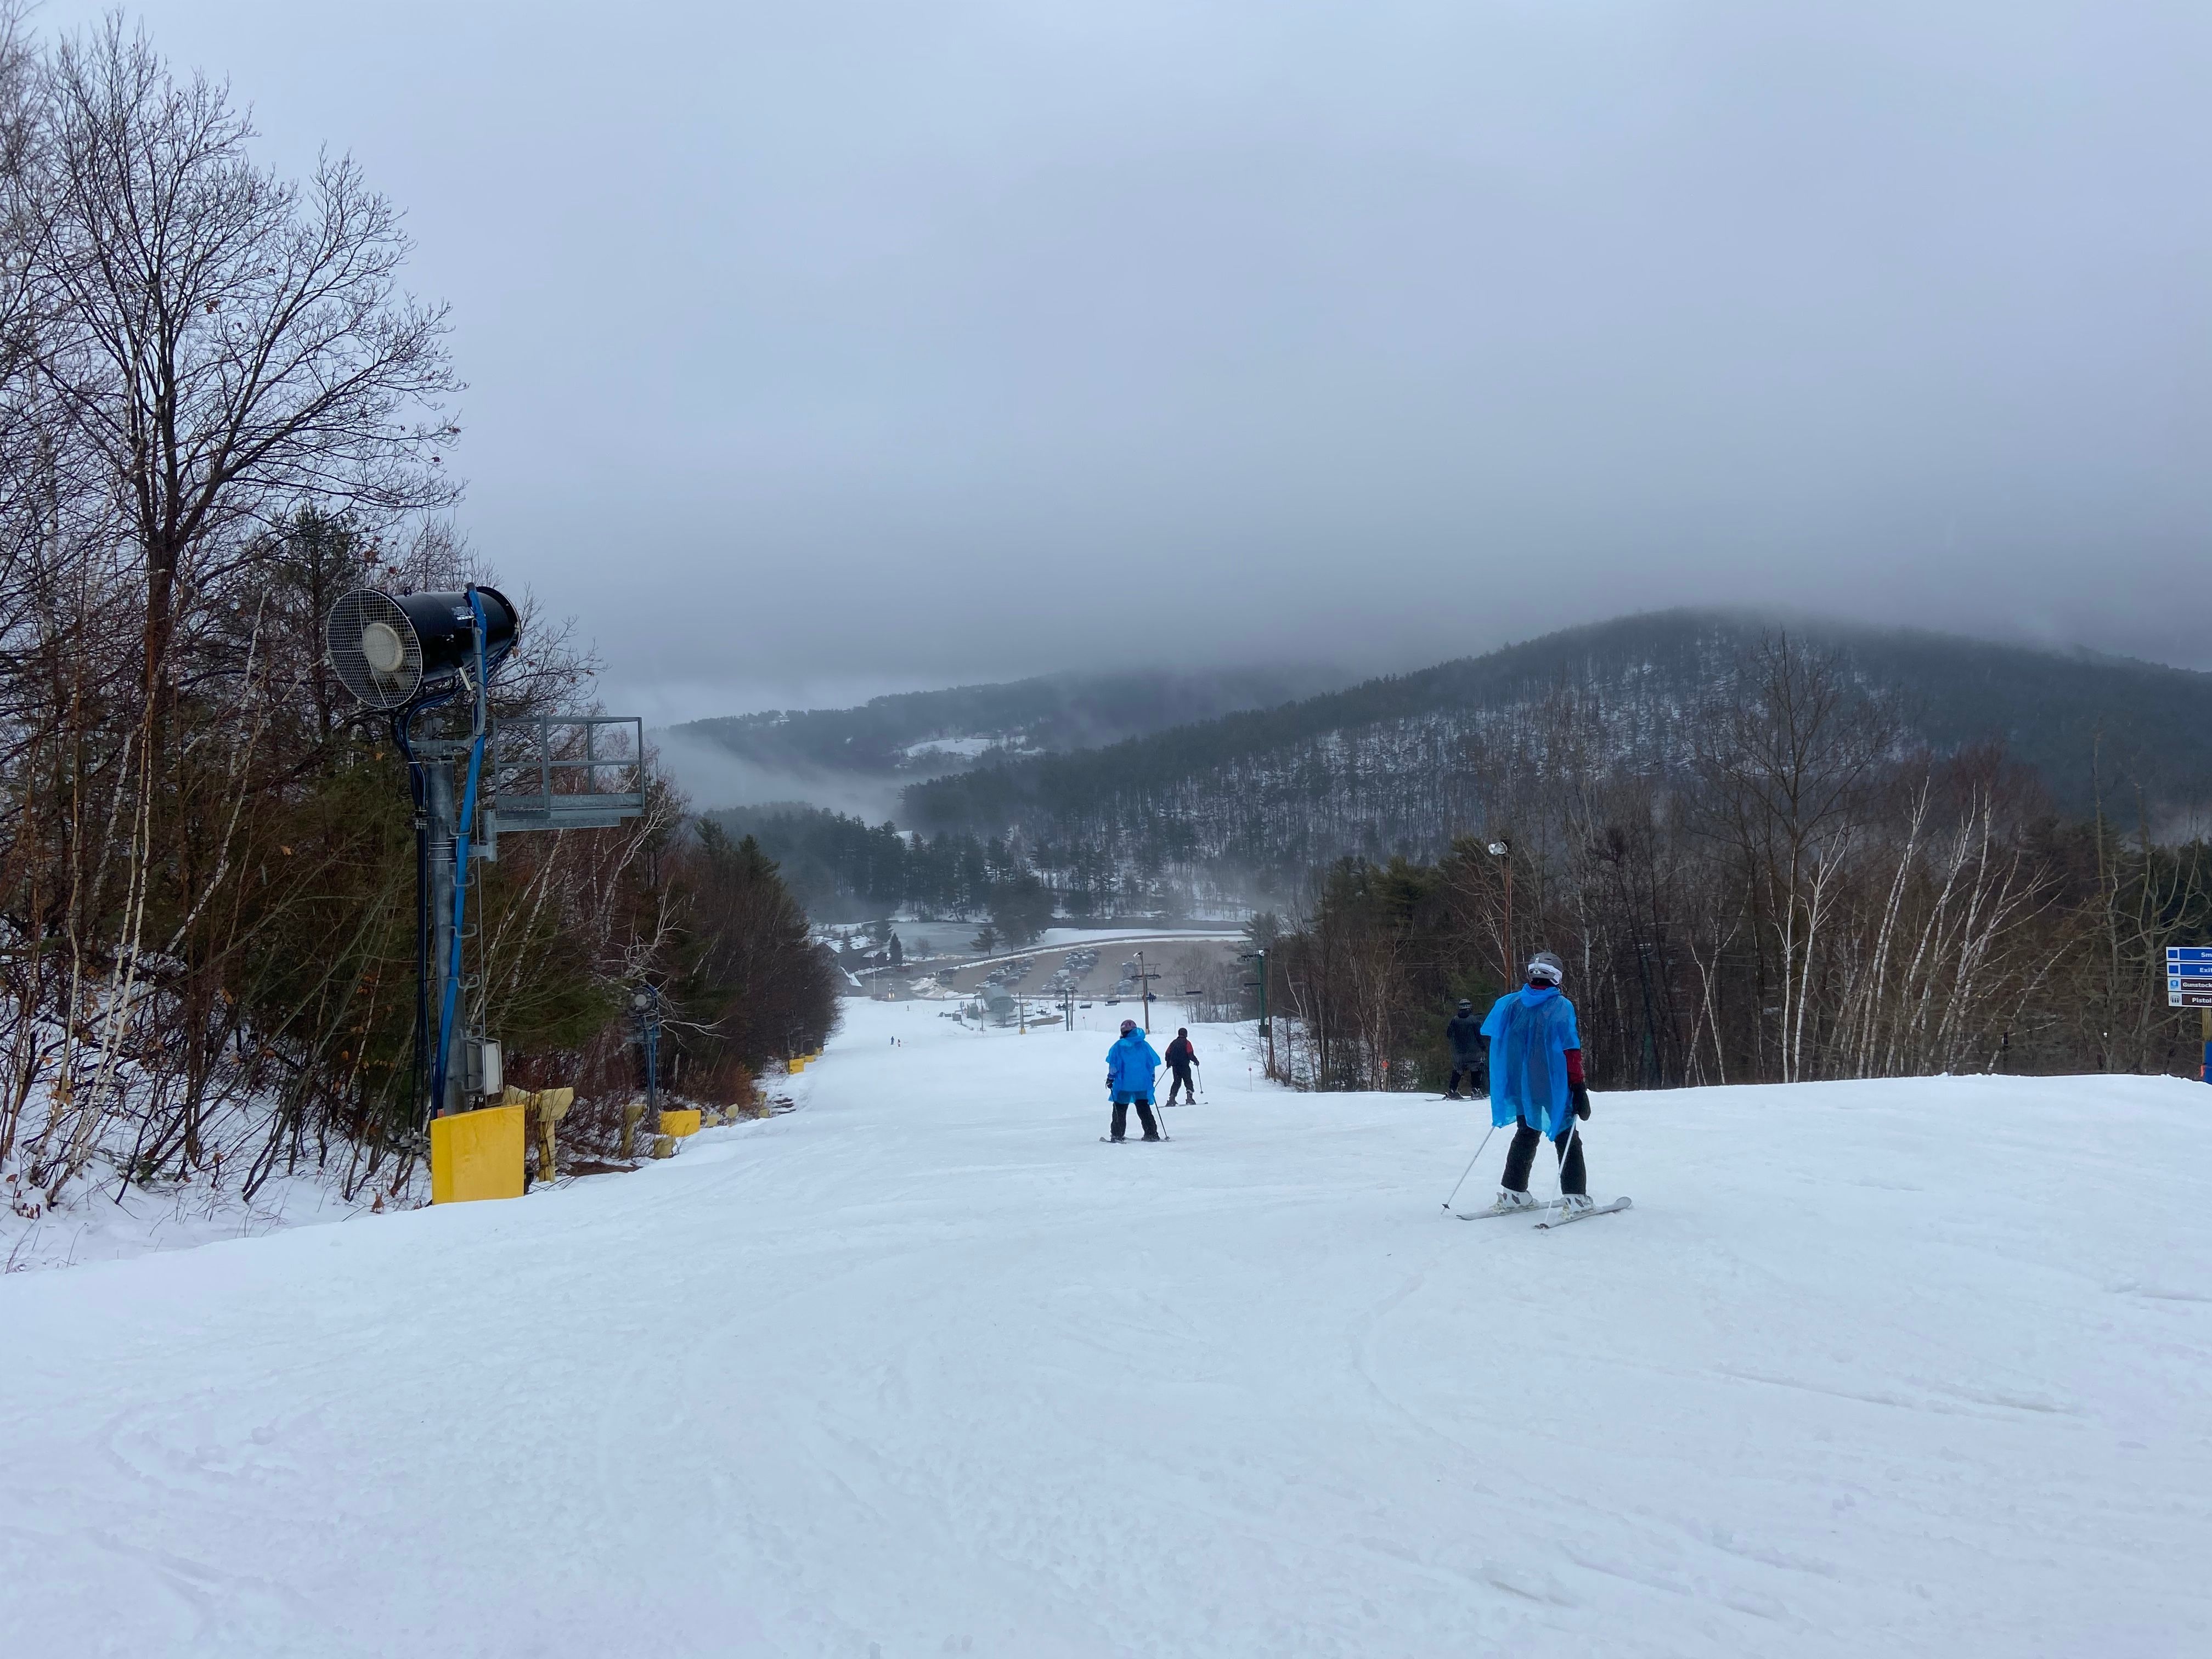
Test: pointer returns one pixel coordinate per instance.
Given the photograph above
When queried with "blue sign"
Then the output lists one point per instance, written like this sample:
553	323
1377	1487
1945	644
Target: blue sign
2191	954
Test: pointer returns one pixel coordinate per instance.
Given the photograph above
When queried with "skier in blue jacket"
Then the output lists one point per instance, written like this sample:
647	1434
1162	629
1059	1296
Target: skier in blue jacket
1536	1082
1131	1067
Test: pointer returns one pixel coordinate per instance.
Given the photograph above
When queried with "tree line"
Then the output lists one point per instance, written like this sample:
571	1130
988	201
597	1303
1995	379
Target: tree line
219	409
1803	892
844	869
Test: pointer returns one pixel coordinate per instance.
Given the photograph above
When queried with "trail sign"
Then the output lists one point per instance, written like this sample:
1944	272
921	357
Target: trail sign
2189	985
2189	975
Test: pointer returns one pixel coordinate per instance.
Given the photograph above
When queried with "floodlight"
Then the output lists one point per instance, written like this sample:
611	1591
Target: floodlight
387	648
1498	849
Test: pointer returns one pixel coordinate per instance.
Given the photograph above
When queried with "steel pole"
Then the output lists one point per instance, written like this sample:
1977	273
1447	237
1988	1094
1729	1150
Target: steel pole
444	830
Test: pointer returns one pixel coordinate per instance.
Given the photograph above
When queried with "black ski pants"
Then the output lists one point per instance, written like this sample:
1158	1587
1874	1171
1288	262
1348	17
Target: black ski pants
1181	1076
1523	1153
1144	1116
1469	1069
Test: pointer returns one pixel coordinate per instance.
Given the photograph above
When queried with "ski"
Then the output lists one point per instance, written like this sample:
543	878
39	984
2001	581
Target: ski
1128	1140
1617	1205
1541	1204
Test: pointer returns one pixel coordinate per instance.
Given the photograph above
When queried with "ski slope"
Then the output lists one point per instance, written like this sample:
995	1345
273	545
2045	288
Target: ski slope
924	1369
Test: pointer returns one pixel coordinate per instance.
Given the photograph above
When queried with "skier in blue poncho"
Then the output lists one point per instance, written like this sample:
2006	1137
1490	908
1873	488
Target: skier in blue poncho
1131	1067
1536	1082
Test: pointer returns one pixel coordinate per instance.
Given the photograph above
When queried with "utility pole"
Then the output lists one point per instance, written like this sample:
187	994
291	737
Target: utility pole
1145	988
1267	1026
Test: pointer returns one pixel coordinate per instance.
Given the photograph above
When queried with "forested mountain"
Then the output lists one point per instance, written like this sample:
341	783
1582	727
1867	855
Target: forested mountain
1401	764
925	733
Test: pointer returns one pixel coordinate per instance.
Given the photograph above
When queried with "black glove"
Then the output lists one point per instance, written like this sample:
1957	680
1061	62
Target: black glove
1580	1091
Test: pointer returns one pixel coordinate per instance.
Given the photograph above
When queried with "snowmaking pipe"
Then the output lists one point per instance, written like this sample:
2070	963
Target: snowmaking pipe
1471	1162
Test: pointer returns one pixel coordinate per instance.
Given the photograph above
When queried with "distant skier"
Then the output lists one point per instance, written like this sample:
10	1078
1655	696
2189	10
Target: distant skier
1131	1067
1180	1058
1537	1077
1464	1032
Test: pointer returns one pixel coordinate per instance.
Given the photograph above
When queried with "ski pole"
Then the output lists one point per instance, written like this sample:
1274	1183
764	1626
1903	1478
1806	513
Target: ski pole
1469	1171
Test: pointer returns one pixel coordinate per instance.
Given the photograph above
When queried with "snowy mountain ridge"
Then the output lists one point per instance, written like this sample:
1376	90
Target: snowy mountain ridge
1397	764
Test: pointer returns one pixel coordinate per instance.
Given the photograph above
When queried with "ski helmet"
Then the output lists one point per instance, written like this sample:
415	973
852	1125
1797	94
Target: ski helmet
1465	1007
1128	1026
1546	966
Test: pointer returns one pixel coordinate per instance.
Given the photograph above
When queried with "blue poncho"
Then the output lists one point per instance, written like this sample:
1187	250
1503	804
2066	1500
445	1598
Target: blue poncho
1530	1032
1131	1065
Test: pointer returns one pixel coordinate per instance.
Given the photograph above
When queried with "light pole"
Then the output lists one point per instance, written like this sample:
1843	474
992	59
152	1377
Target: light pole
1504	850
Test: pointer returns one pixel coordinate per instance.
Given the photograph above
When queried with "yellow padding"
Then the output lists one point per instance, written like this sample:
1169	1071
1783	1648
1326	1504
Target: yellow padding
679	1124
797	1066
477	1155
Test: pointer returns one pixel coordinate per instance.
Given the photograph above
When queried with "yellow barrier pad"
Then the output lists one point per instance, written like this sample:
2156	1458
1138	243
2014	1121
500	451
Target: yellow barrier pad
477	1155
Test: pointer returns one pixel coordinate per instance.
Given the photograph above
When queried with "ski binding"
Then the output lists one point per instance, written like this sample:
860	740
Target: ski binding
1537	1207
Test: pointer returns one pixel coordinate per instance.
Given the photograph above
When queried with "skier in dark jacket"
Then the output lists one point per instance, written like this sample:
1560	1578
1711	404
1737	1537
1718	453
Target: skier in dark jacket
1180	1058
1536	1083
1464	1032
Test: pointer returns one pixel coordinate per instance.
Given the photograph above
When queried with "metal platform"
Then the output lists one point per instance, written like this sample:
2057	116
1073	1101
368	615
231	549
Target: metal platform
574	772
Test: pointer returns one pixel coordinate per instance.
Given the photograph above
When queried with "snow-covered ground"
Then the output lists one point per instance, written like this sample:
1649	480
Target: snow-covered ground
110	1220
1054	939
923	1368
966	747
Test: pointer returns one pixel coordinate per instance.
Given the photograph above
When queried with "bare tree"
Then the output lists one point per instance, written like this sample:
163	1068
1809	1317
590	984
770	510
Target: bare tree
229	343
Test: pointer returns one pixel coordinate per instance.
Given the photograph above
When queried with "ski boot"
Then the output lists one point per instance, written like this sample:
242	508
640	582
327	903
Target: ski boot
1510	1199
1573	1204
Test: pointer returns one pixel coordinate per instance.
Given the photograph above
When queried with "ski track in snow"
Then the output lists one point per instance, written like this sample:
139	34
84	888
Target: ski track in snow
1902	1368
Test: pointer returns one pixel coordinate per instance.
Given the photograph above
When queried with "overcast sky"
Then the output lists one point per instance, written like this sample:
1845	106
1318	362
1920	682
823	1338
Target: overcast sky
822	347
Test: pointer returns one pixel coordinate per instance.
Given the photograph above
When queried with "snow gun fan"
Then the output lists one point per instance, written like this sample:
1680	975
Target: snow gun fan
401	656
405	656
390	651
